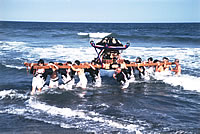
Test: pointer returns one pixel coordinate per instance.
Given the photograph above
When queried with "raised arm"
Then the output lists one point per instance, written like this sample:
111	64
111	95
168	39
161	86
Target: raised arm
92	67
74	69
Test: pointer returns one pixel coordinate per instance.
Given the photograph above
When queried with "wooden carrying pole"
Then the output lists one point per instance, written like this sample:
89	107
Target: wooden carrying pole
148	64
47	66
87	65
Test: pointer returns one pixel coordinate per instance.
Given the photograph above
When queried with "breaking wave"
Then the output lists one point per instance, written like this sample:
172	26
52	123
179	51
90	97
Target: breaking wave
88	121
186	81
12	94
94	35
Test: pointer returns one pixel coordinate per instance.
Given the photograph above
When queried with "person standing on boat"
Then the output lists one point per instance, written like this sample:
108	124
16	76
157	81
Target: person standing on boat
177	69
81	74
39	76
120	76
54	76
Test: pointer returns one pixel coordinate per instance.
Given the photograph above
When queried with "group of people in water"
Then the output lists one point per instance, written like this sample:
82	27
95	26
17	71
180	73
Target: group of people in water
128	74
123	75
67	75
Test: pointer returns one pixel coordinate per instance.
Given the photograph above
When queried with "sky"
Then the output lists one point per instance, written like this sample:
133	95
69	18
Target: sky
131	11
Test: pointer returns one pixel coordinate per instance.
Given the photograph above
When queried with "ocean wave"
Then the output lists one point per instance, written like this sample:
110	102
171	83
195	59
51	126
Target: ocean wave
9	45
77	118
16	67
188	57
62	35
186	81
63	54
16	111
94	35
85	116
60	53
11	93
83	34
159	38
12	43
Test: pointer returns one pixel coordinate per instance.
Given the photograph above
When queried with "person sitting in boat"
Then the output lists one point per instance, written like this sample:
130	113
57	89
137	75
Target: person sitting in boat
120	76
39	76
177	69
54	76
81	74
67	76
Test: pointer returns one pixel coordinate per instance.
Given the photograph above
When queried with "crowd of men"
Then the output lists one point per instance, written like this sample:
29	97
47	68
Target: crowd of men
67	76
127	75
123	75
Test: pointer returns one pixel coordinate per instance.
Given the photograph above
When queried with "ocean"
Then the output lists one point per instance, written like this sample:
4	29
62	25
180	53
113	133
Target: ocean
163	104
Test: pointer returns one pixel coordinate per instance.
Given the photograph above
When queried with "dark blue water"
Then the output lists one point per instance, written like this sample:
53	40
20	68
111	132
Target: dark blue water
164	104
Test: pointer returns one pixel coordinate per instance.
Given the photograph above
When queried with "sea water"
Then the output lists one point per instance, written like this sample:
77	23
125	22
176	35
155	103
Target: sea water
163	104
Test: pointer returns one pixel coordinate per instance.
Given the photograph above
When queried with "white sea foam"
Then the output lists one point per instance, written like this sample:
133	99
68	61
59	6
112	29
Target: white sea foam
12	94
12	110
14	46
65	54
94	35
188	60
84	115
186	81
189	57
13	66
98	35
5	93
12	43
83	34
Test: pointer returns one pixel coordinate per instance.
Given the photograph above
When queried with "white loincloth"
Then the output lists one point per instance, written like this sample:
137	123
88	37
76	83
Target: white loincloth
97	82
132	78
150	71
125	85
54	83
68	85
83	81
38	82
146	76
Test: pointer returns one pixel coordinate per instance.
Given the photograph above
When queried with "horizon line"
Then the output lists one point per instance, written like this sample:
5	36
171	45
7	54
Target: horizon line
97	21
